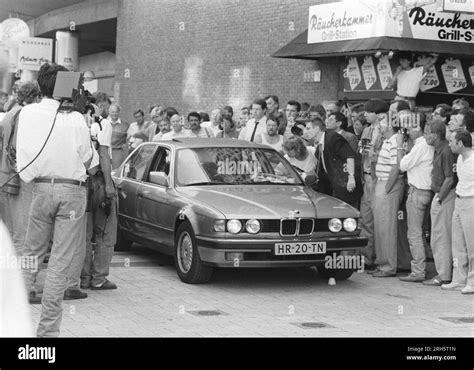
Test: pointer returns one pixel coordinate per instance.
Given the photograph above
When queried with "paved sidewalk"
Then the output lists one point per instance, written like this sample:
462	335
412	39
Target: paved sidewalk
151	301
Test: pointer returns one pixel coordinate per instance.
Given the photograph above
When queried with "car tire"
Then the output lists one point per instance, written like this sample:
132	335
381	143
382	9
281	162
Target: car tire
122	244
187	262
338	274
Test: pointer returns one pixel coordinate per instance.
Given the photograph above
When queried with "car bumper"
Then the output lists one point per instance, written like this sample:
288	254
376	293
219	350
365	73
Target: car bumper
260	253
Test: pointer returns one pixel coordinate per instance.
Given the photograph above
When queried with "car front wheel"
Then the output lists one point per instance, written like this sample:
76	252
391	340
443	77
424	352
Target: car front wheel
188	264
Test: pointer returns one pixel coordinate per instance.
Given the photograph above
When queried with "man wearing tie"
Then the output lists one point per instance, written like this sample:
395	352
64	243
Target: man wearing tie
257	125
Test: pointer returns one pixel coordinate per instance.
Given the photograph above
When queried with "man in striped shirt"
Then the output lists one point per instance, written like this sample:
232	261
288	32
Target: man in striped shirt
388	194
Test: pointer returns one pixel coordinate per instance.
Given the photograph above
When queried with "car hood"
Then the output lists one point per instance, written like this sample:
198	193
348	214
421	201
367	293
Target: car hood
268	201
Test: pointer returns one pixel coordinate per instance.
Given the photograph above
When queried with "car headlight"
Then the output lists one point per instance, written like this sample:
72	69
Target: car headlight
350	224
234	226
253	226
335	225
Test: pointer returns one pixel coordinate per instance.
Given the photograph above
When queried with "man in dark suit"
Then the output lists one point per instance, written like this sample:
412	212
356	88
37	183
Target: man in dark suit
337	168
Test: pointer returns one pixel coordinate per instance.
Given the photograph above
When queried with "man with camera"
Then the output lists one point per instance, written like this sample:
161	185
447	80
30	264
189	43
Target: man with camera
418	164
53	151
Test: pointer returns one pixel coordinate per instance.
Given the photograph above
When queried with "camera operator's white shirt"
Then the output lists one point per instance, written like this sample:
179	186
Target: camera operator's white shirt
67	149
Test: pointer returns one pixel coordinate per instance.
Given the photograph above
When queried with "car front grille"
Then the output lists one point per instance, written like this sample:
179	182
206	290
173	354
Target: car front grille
288	227
306	224
296	226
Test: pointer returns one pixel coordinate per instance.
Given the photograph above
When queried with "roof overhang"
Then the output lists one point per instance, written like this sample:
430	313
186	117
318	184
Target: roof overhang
299	48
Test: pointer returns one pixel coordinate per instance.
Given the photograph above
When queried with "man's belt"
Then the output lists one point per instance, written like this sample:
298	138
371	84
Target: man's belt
414	187
464	197
52	181
406	97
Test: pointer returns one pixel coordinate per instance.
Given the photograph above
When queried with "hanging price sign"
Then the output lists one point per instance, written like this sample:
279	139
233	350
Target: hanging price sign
385	71
368	71
453	75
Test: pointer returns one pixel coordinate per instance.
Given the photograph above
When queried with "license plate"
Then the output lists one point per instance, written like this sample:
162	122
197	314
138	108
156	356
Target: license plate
292	249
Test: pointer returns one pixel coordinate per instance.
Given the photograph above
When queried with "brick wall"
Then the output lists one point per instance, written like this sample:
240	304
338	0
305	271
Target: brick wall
203	54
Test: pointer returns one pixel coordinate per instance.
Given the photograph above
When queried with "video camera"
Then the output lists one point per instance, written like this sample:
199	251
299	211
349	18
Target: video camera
69	89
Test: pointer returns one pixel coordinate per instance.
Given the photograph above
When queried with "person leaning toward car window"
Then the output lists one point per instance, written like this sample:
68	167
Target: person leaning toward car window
299	155
59	195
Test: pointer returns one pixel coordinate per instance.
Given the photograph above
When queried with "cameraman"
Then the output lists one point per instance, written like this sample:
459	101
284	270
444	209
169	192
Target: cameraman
102	216
53	151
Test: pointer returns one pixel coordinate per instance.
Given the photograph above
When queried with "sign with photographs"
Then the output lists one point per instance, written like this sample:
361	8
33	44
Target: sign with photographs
447	76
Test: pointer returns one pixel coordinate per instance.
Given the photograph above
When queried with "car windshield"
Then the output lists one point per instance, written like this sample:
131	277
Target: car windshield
234	166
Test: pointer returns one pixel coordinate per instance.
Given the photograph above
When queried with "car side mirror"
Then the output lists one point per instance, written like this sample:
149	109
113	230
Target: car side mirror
159	178
311	179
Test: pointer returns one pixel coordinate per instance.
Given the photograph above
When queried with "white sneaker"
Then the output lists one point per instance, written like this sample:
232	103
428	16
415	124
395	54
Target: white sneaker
468	290
452	286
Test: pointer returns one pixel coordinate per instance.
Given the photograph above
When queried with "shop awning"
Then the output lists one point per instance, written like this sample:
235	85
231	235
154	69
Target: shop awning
298	48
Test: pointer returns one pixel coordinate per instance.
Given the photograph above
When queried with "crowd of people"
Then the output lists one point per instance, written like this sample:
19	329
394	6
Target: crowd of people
377	156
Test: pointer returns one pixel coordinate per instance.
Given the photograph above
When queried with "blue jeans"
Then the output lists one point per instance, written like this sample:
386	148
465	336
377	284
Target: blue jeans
58	209
418	203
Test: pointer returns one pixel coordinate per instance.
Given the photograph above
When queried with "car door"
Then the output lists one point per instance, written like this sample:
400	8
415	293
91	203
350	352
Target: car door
133	171
156	206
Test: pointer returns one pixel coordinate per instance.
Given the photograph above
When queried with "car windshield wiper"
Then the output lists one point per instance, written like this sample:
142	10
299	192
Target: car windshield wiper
207	183
268	183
